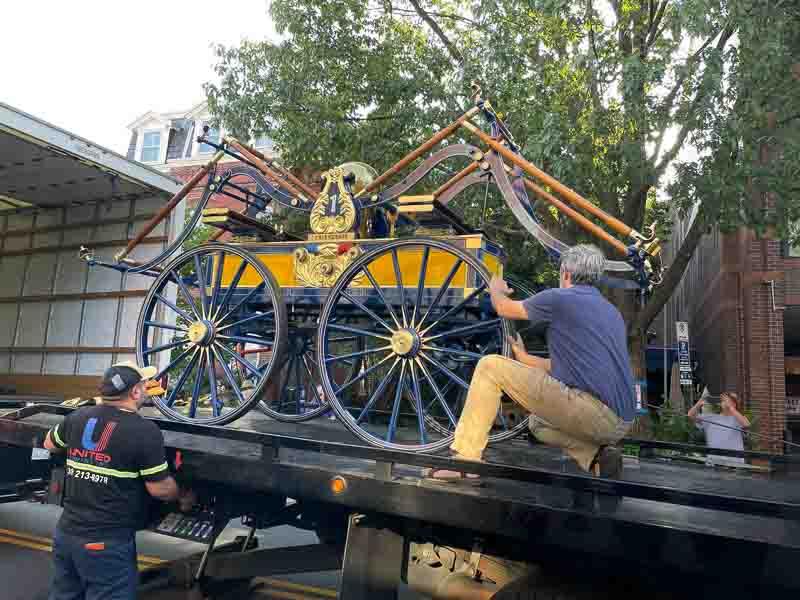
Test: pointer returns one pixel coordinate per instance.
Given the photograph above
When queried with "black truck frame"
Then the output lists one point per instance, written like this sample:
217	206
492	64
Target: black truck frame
535	526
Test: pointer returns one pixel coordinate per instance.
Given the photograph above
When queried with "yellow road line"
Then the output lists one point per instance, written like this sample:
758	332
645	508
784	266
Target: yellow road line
33	542
290	585
44	544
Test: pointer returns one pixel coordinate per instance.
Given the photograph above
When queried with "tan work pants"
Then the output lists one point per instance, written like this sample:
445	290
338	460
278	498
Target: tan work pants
574	420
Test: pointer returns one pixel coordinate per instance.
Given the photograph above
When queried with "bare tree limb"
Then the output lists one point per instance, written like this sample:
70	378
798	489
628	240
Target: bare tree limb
425	16
673	275
653	31
688	124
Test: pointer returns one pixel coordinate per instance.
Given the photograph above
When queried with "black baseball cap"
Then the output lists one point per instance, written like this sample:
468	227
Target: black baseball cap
121	377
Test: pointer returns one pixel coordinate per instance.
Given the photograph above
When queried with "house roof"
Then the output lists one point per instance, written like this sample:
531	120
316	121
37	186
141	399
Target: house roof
44	165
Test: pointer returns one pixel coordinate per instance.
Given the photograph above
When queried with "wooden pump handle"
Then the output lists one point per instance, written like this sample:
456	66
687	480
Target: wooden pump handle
265	169
167	208
297	182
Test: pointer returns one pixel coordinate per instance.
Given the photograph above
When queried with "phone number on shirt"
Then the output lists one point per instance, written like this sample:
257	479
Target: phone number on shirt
78	474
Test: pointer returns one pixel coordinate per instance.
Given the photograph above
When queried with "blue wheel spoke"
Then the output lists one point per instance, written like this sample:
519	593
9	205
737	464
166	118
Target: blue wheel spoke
242	361
231	288
250	319
313	382
462	330
174	362
165	326
372	314
198	382
398	397
186	293
175	308
229	376
378	391
284	391
300	389
165	346
455	308
400	288
331	359
217	283
247	340
201	283
357	331
452	351
182	379
363	374
446	371
216	408
249	295
421	284
438	393
378	289
441	292
417	397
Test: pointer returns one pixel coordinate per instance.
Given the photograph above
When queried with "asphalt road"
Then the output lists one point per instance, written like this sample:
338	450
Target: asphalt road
26	531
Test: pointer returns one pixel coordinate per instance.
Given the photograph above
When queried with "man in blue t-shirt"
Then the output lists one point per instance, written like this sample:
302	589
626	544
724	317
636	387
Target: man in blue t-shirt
582	398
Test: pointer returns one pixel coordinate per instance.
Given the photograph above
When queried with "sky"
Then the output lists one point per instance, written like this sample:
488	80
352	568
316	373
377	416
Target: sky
92	67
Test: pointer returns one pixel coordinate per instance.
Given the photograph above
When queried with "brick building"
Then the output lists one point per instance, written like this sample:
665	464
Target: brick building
741	297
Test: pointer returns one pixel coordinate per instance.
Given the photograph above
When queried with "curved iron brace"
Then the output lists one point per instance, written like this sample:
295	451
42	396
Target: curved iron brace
421	171
528	222
273	192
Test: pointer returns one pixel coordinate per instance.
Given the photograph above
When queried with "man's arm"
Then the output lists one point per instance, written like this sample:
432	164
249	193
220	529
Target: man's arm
521	354
154	470
503	305
53	440
740	418
696	409
164	489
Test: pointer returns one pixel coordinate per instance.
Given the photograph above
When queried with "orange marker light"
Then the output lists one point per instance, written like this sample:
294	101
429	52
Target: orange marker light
338	485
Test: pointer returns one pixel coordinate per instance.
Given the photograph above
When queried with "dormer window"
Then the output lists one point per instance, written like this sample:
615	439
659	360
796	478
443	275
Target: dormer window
262	142
211	136
151	146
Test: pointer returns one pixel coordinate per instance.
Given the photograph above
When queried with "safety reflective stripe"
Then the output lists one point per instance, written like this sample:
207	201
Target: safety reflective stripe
56	437
102	470
153	470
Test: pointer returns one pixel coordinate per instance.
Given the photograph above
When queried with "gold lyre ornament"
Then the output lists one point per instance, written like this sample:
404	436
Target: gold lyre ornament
343	216
323	268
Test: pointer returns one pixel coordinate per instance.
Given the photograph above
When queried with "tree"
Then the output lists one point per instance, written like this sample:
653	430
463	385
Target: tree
605	96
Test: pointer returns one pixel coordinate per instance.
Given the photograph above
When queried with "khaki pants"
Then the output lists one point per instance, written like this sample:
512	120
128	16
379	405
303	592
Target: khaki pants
561	416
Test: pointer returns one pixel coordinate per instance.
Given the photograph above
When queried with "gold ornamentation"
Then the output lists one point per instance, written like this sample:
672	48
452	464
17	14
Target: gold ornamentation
323	268
343	210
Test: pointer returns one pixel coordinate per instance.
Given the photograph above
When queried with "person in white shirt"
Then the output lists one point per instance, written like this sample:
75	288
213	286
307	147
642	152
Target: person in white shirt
723	430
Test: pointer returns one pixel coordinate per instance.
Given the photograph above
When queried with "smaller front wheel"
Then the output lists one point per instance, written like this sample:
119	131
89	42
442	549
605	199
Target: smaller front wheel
203	307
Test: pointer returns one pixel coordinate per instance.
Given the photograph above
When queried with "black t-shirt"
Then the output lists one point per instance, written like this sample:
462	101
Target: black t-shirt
110	454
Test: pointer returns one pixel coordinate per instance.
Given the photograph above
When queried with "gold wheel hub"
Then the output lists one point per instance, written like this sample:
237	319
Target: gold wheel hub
405	342
198	332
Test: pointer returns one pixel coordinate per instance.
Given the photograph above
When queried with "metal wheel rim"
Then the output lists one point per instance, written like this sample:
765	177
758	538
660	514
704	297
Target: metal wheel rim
224	318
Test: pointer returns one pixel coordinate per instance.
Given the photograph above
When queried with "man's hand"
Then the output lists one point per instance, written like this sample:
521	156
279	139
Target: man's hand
517	347
696	408
497	285
186	500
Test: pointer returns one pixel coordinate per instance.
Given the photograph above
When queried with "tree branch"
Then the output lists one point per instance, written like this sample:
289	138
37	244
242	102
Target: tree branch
673	275
688	124
653	31
425	16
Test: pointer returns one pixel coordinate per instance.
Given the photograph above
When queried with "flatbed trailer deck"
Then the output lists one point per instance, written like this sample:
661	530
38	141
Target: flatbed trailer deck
532	506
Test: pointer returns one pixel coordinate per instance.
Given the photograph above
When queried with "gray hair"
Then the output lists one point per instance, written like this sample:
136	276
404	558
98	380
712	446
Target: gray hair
585	263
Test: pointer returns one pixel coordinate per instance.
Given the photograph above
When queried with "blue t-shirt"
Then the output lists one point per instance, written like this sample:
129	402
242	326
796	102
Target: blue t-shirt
588	344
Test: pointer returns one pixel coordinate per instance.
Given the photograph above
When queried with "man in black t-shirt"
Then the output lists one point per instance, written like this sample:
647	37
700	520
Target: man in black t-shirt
115	458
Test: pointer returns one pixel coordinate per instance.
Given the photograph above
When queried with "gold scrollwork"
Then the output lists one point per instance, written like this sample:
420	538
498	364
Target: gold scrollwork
323	268
344	211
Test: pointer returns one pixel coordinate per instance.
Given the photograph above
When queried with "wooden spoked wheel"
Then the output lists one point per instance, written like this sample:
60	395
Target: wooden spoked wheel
203	306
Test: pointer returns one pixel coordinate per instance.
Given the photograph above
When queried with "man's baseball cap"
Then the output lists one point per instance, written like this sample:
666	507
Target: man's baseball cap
121	377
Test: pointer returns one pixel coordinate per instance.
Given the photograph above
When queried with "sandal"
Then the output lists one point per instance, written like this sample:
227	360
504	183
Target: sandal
449	476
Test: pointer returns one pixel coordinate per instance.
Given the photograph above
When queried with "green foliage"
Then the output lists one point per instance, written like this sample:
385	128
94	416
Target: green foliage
602	96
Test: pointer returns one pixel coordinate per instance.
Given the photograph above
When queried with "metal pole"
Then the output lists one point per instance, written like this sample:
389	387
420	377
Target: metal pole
664	349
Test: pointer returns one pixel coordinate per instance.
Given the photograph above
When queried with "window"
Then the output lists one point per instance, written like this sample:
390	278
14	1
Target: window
151	146
211	136
262	142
